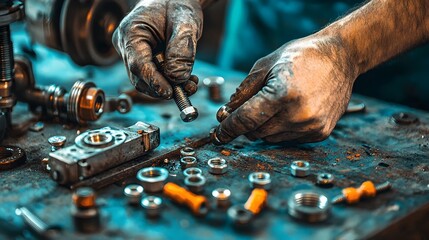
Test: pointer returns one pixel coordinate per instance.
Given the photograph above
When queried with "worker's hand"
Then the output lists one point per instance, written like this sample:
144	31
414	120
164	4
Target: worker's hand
173	26
298	93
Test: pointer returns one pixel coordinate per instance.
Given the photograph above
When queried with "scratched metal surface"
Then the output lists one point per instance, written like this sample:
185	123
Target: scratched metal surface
364	146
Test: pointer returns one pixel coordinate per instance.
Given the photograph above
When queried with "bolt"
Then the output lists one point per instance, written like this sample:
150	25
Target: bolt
152	206
57	142
214	85
221	195
378	189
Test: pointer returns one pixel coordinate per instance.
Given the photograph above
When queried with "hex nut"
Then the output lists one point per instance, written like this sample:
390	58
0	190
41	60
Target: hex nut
152	178
300	168
152	206
240	216
325	179
133	192
309	206
195	183
217	166
187	151
192	171
260	180
187	162
221	196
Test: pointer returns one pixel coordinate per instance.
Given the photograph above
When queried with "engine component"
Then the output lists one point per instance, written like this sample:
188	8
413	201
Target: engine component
152	206
309	206
197	203
188	113
193	171
187	162
214	85
152	178
325	179
221	195
95	151
260	180
86	217
404	118
84	102
355	106
300	168
57	142
11	157
133	193
82	29
195	183
37	226
187	151
122	104
217	166
366	189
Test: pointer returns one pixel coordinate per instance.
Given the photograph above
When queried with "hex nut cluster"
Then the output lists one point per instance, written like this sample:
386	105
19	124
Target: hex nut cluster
325	179
300	168
133	193
187	151
195	183
221	196
152	178
192	171
260	180
217	166
187	162
152	206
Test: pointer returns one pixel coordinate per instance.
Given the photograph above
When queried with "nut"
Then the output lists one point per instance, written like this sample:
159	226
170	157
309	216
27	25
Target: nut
260	180
152	206
221	195
325	179
152	178
240	216
192	171
300	168
84	197
133	192
217	166
187	162
187	151
309	206
195	183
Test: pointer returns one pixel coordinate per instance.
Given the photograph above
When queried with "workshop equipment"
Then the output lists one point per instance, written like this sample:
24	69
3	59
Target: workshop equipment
95	151
152	178
37	226
133	193
214	85
188	113
10	11
195	183
152	206
242	215
309	206
81	29
187	162
11	157
193	171
366	189
325	180
197	203
217	166
222	197
260	180
300	168
85	213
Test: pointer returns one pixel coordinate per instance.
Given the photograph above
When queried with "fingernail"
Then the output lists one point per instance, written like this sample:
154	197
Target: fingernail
223	113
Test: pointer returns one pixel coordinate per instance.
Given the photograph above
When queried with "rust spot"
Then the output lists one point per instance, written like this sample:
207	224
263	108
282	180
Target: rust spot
225	152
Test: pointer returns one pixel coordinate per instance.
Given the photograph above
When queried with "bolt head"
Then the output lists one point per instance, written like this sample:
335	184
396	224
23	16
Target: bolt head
189	114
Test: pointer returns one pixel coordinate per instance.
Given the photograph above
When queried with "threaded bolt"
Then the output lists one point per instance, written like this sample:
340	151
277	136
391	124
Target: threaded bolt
6	72
379	188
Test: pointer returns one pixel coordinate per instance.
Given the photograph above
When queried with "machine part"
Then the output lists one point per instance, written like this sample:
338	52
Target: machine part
37	226
367	189
257	200
134	193
152	206
223	113
187	151
82	29
57	142
10	11
188	113
197	203
309	206
217	166
187	162
84	103
240	216
37	127
325	179
214	85
355	106
11	157
122	104
404	118
260	180
300	168
195	183
221	195
152	178
86	217
193	171
96	151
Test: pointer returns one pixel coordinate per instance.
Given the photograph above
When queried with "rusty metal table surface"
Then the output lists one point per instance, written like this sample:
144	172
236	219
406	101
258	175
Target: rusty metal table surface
363	146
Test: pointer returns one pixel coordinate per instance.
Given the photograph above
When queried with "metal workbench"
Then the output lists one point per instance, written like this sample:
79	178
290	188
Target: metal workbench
363	146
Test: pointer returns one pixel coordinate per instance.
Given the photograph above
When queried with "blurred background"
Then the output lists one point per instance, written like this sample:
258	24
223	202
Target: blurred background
239	32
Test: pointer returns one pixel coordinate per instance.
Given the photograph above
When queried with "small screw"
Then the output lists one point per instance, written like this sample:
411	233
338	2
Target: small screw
379	188
57	142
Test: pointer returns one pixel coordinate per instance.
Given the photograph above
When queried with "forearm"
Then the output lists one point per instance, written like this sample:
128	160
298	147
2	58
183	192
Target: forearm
381	29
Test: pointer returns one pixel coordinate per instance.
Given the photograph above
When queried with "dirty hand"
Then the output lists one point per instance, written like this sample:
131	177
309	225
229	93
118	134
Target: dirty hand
298	93
173	26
